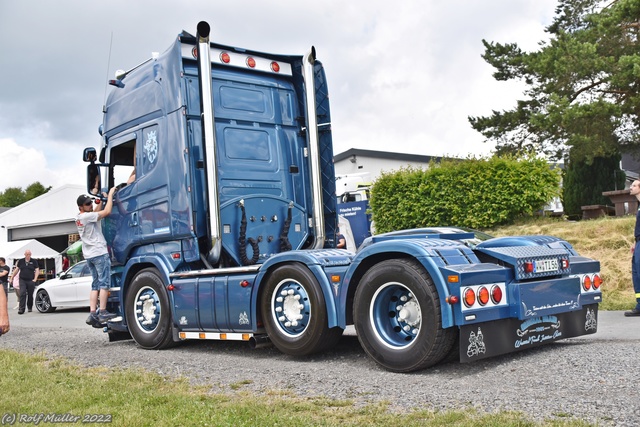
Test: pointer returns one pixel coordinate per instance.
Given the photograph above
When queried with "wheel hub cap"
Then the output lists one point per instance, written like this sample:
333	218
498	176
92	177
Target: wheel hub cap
290	307
147	310
395	315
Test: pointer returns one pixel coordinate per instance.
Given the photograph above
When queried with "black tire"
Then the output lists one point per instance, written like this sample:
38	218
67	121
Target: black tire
397	317
295	313
151	328
43	302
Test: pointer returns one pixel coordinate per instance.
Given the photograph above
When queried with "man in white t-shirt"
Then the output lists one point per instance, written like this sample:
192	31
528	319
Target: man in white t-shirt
95	252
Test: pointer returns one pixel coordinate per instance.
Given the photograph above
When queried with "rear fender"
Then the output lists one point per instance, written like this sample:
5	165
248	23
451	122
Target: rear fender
315	261
430	253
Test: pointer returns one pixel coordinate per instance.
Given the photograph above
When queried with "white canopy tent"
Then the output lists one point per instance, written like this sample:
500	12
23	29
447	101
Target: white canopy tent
15	250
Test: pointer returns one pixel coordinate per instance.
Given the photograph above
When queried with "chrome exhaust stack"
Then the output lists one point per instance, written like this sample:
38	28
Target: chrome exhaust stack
314	148
208	128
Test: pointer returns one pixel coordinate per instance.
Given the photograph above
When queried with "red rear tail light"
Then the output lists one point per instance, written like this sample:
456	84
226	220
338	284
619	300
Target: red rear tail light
224	57
483	296
251	63
597	281
469	297
275	67
496	294
528	267
586	282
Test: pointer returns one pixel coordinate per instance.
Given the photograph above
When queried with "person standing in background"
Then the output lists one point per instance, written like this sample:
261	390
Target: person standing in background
4	314
341	242
4	276
15	281
29	272
634	190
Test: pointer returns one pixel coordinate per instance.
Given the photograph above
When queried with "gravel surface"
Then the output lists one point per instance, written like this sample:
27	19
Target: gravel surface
594	379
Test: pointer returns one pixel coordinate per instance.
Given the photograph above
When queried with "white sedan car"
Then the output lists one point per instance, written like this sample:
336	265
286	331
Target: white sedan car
70	289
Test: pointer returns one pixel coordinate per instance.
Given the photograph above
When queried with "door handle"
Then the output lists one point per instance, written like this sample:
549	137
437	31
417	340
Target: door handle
133	221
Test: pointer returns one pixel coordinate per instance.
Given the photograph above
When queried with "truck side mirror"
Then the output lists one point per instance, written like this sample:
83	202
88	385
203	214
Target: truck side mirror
93	179
89	155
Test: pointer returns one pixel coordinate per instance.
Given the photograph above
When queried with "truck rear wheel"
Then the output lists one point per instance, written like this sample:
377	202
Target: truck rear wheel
397	317
148	312
295	313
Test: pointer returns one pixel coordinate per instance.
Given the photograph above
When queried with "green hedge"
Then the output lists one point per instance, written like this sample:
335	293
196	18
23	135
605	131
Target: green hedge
476	193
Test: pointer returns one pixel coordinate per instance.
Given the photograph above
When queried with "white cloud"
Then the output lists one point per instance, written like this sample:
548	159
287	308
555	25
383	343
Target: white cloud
403	76
22	166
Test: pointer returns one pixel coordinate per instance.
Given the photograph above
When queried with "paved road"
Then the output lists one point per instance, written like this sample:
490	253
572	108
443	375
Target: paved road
612	325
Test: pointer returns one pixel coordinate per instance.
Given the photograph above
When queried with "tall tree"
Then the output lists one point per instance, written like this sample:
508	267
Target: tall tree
584	183
14	196
582	86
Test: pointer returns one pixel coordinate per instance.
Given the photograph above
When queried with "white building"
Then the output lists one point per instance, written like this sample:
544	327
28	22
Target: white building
49	219
372	163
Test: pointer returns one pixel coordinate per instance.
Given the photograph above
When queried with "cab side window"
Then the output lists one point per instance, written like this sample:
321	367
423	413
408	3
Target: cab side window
123	162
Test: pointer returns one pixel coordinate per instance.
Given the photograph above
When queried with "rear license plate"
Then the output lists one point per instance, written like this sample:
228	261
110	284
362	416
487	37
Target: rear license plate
545	265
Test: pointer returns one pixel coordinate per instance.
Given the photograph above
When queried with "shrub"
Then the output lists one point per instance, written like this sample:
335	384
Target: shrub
477	193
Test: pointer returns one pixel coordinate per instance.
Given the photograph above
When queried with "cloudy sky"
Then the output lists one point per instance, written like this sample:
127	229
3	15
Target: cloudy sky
403	75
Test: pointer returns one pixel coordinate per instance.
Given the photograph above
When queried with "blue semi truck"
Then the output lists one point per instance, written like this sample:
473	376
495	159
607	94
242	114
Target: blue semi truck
224	224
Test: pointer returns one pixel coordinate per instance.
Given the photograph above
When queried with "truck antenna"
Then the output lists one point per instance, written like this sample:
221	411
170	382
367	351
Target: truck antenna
107	79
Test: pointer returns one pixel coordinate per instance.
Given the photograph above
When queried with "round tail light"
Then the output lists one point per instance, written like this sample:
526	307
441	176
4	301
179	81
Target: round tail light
597	281
469	297
586	283
483	296
496	294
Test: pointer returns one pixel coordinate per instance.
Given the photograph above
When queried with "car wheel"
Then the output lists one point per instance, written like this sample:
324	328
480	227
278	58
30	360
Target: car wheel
43	302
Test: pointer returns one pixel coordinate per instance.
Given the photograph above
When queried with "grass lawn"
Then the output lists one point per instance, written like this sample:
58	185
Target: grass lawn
34	387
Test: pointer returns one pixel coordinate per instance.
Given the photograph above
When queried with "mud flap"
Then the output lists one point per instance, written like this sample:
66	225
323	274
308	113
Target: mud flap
482	340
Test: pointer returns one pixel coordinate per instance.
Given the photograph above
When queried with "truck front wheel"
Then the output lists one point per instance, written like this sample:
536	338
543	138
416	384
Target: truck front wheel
295	312
148	312
397	317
